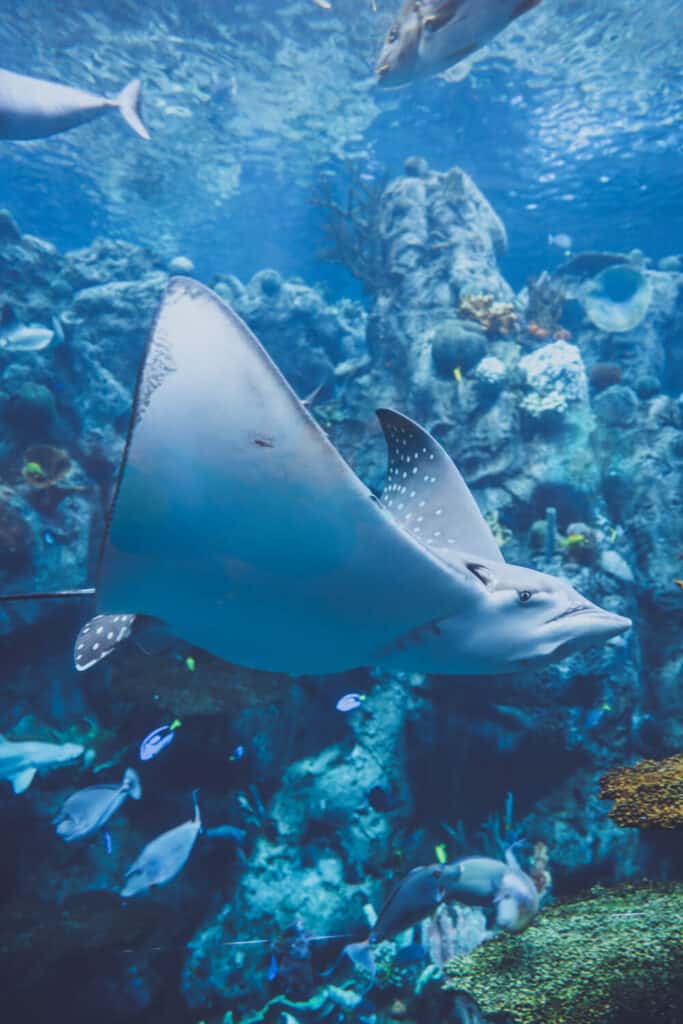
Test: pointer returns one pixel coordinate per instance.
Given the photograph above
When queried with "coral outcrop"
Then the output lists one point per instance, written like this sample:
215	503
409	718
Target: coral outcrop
613	957
648	795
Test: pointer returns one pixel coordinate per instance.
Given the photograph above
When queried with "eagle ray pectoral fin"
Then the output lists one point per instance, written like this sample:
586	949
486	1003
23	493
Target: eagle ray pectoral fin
427	496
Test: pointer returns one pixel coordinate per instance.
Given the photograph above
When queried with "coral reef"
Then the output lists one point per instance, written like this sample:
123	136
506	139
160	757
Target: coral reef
498	319
647	795
613	957
556	380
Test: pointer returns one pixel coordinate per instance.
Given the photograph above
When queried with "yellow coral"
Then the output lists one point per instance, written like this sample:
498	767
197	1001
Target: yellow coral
647	795
497	318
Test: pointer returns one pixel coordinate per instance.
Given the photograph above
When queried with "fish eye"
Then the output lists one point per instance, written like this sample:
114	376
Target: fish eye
393	35
524	596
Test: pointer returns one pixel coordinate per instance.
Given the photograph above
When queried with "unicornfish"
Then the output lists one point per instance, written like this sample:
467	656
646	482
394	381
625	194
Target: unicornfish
237	527
165	857
33	108
501	885
429	36
21	759
89	809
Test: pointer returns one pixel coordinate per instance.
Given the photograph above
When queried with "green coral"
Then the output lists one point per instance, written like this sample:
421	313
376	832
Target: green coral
612	957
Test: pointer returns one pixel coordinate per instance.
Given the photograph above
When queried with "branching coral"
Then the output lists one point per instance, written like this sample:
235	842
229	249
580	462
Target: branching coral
648	795
353	225
497	318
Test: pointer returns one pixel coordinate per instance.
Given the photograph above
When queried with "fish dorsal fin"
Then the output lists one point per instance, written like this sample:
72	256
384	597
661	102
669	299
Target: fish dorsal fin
99	637
426	494
238	524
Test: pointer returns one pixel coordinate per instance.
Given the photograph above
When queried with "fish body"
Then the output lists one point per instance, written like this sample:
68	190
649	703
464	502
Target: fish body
415	897
32	108
487	882
22	337
21	759
294	546
561	241
164	857
89	809
429	36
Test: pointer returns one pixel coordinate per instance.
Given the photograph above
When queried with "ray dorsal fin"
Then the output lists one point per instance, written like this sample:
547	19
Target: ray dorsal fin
426	494
238	525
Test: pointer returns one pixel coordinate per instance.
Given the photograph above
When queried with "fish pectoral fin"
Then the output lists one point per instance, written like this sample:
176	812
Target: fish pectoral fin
99	637
22	780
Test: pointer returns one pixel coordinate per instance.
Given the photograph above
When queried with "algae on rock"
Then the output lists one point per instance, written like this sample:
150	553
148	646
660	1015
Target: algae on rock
612	957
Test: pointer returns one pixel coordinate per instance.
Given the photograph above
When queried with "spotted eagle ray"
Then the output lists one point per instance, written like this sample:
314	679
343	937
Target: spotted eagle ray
237	527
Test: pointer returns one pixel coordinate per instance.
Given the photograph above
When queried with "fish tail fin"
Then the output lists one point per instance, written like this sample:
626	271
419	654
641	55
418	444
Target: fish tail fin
99	637
128	102
360	955
131	780
195	801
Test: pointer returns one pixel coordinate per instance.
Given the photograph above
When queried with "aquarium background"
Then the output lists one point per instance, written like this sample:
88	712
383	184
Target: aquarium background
376	242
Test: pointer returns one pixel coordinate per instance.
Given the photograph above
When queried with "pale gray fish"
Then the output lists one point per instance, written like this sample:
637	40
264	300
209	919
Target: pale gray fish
32	108
21	759
88	809
415	897
502	885
19	337
294	546
163	858
561	241
429	36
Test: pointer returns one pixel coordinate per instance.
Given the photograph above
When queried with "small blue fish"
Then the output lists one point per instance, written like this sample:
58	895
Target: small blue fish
237	754
350	701
272	970
156	740
107	842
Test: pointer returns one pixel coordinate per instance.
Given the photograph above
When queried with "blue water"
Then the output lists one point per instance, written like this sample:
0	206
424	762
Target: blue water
570	123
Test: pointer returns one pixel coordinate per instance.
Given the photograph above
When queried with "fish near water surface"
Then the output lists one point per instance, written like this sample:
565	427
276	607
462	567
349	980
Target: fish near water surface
21	759
295	548
33	108
87	810
429	36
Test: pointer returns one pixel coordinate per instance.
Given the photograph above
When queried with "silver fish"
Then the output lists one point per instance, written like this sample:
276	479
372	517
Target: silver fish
163	858
21	759
88	809
486	882
415	897
32	108
428	36
21	337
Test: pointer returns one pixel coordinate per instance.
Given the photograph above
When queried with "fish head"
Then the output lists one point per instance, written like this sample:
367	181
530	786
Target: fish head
70	752
516	902
400	50
531	618
514	619
67	826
